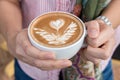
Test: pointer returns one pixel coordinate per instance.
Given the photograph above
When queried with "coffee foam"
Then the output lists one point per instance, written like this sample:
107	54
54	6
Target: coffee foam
56	29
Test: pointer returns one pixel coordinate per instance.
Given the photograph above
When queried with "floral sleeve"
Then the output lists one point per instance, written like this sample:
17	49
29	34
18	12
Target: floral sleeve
82	70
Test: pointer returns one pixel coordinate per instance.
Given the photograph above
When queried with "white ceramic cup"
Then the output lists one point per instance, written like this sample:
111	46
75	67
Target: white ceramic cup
66	52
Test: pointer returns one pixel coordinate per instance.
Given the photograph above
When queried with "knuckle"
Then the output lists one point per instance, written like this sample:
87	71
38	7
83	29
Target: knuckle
36	63
18	51
19	39
105	56
40	65
26	46
95	43
40	56
33	62
53	66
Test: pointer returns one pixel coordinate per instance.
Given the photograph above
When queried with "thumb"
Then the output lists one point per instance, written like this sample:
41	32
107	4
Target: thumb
93	29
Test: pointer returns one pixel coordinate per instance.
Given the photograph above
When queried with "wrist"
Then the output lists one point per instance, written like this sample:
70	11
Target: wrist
105	20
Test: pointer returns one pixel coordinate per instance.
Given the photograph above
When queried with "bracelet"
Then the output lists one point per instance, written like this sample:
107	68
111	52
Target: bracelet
105	20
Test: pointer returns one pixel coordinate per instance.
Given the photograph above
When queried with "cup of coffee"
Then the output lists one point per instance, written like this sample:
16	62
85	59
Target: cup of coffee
60	32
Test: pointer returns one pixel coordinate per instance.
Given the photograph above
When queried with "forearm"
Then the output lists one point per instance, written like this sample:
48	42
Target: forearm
10	18
112	12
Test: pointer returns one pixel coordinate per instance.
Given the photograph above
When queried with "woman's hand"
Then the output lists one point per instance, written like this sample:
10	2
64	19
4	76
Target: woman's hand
27	53
100	41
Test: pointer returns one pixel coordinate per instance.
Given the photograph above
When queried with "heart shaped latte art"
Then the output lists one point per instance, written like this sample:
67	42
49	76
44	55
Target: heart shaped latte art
57	24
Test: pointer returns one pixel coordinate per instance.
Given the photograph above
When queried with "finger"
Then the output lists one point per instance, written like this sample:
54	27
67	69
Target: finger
52	64
92	29
44	64
93	59
86	57
32	51
108	48
97	53
101	53
105	34
36	53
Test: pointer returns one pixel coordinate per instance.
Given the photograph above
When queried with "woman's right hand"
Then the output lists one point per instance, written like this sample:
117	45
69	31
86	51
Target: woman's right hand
22	49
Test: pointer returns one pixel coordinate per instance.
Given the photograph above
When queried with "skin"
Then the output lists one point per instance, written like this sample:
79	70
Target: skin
101	34
100	41
20	47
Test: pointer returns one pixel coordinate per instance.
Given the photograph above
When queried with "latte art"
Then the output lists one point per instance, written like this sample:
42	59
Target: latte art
56	30
57	24
57	39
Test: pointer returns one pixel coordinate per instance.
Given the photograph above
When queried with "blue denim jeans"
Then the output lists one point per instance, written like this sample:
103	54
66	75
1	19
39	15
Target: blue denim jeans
108	73
21	75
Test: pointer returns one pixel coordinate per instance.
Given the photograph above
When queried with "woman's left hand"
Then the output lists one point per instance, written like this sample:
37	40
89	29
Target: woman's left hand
100	40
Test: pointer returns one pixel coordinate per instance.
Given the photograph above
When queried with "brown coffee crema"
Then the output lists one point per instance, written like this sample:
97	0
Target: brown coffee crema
56	30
